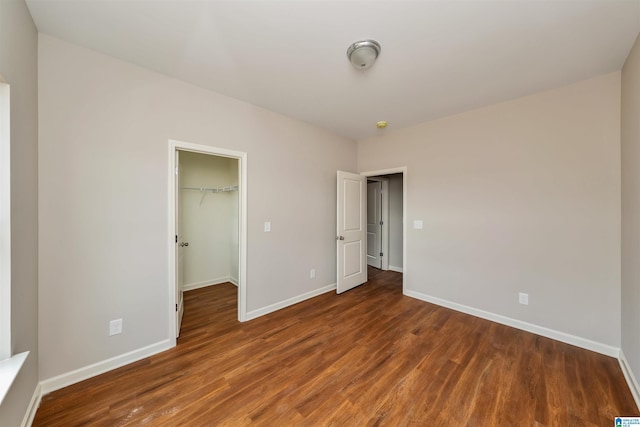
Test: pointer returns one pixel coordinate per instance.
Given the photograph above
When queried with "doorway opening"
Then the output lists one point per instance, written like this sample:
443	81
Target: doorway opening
397	217
207	221
378	222
385	221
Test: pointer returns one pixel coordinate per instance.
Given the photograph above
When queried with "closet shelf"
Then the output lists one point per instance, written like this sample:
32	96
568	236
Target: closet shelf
205	190
213	190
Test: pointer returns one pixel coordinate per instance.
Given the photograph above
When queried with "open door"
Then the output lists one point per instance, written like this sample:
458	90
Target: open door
351	231
180	247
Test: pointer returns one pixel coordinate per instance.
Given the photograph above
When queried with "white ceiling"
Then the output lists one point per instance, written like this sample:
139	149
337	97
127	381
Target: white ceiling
438	57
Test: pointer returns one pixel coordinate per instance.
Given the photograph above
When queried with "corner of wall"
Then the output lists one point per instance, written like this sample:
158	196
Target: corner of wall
630	223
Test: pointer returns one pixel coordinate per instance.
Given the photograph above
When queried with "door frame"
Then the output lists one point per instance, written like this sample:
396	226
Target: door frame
242	225
5	220
403	171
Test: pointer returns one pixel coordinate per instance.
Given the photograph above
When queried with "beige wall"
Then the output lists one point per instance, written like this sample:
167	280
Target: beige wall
523	196
18	62
630	125
104	127
209	224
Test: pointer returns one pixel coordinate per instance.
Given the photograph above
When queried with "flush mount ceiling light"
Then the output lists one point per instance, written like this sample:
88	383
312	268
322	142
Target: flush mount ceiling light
363	54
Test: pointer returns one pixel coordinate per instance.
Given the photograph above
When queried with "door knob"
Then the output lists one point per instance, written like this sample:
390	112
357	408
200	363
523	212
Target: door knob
183	244
340	238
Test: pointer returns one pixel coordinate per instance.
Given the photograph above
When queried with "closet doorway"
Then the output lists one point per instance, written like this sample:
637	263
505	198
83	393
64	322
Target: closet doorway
208	218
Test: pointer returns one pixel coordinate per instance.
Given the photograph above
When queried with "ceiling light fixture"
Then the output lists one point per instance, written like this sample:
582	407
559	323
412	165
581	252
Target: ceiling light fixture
363	53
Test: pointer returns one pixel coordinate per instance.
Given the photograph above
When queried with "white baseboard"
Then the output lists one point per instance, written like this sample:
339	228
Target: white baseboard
519	324
205	283
396	269
34	404
233	281
291	301
64	380
632	382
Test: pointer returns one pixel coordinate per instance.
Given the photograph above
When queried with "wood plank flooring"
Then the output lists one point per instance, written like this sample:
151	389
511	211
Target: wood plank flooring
369	357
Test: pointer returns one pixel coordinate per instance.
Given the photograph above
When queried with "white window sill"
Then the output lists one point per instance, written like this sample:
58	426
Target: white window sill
9	369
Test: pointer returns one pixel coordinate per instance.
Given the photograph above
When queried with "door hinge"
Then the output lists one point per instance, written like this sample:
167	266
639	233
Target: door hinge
176	170
176	307
176	238
381	254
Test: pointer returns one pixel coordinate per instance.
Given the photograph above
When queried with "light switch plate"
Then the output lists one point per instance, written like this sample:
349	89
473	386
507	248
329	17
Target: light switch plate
523	298
417	224
115	327
267	226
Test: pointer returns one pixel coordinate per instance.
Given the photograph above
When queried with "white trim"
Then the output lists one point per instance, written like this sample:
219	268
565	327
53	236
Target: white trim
291	301
180	312
5	221
234	281
9	369
205	283
632	382
519	324
396	269
405	196
390	171
242	232
34	404
81	374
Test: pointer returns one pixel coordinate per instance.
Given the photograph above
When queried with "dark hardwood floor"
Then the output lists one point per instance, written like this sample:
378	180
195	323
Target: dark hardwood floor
370	356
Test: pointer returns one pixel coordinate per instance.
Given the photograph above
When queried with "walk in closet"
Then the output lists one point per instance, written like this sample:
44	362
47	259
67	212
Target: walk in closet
209	219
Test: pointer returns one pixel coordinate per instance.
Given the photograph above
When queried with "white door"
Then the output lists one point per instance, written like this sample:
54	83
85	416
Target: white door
180	247
351	232
374	226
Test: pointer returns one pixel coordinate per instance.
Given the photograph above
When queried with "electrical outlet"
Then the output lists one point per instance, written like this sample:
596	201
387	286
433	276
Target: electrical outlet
523	298
312	273
115	327
267	226
417	224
